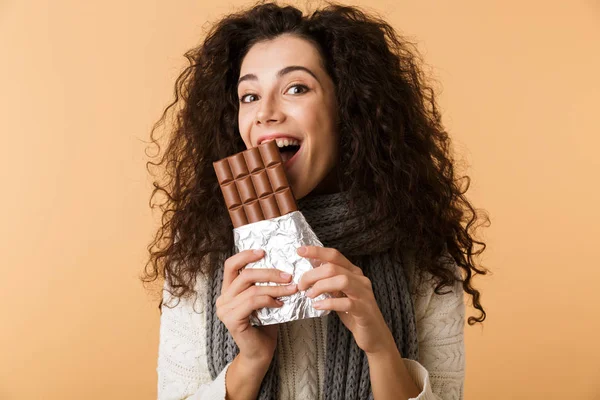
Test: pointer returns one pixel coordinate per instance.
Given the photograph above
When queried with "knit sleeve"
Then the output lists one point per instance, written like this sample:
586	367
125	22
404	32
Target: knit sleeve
182	366
440	371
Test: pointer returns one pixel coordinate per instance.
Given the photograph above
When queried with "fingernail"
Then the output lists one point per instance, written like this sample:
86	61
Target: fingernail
285	275
317	304
279	302
309	292
258	252
302	250
292	288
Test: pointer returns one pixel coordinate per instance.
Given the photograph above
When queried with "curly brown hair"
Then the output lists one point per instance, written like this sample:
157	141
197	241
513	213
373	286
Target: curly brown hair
392	144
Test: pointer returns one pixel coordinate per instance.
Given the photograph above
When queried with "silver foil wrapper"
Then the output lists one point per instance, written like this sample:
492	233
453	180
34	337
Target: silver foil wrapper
280	238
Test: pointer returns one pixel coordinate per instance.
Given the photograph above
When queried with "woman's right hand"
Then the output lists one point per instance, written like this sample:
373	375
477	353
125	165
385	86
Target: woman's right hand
240	297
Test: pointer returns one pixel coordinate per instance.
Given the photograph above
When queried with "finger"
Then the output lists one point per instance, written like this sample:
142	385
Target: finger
343	304
323	271
236	262
279	291
326	254
243	311
239	303
249	276
338	283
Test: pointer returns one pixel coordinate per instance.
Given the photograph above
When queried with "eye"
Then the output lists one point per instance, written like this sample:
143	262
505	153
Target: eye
244	96
304	88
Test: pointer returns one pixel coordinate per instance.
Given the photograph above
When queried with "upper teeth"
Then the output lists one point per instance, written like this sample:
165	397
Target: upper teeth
287	142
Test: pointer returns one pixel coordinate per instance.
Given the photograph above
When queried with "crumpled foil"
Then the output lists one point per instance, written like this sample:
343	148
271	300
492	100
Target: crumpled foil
280	237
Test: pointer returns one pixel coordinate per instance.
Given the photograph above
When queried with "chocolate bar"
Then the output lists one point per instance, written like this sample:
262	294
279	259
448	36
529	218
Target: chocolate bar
265	215
254	185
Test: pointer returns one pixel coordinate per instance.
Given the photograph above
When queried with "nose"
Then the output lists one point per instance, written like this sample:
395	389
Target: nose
269	112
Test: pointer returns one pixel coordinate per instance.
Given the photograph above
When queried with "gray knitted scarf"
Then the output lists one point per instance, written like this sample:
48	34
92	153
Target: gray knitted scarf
366	245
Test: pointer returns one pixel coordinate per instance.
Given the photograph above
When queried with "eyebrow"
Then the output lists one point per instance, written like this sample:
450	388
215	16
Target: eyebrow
282	72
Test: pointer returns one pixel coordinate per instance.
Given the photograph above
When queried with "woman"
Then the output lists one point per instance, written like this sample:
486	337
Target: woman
369	163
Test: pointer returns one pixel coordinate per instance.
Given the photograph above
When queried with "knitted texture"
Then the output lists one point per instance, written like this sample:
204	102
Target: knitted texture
222	349
301	362
366	242
183	372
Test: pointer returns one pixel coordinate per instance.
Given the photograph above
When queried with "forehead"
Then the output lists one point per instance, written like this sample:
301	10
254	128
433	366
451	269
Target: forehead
275	54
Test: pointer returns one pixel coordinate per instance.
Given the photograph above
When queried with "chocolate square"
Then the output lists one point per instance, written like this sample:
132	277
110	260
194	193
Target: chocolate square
254	185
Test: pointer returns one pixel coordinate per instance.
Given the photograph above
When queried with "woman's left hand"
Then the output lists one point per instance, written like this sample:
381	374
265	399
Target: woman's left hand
353	298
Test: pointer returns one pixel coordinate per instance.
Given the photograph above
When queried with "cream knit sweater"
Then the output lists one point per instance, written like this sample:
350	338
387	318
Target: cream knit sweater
183	371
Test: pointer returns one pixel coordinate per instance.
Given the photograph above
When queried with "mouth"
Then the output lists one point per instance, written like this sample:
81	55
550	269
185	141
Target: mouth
288	148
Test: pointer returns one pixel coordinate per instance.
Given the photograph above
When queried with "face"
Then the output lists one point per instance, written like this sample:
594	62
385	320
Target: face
286	95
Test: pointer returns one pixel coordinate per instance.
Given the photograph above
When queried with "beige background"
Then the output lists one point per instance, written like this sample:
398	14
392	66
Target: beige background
82	82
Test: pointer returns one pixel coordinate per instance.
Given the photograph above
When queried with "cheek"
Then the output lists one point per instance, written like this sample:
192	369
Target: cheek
326	132
244	124
332	152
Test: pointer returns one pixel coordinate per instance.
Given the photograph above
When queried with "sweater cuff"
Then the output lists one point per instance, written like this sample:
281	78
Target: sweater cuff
420	377
216	390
